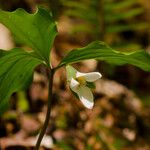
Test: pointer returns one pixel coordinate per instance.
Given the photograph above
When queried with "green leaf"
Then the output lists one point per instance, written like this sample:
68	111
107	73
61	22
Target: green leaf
36	30
16	69
75	5
81	14
120	16
100	51
127	27
119	5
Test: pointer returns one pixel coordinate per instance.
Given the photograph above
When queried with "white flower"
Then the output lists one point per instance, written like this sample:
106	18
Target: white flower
78	83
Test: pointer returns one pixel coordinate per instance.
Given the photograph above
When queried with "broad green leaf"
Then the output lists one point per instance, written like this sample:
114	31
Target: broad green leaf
100	51
16	69
36	30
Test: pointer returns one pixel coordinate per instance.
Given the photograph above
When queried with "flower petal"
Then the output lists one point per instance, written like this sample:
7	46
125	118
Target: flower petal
86	96
74	85
90	77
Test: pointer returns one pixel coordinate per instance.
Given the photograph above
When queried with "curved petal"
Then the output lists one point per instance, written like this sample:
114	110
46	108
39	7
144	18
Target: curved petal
86	96
90	77
74	85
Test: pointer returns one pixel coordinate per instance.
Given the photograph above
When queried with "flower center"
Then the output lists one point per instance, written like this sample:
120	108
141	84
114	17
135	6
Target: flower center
81	80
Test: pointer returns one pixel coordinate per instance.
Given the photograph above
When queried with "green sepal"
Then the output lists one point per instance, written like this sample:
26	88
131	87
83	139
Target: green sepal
71	72
90	85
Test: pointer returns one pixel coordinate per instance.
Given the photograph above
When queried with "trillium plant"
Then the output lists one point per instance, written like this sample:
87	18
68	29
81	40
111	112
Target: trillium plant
38	32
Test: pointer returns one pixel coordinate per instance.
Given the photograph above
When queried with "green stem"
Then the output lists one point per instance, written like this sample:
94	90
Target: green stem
46	122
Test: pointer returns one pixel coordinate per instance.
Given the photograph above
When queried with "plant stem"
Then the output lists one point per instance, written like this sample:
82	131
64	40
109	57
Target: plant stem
46	122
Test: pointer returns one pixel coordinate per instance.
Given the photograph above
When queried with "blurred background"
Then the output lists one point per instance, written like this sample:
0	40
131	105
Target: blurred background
120	119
